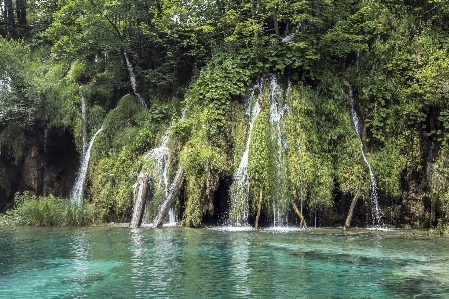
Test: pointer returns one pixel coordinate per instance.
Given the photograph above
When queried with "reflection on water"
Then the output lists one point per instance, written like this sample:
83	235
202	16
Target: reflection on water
139	253
115	262
239	266
163	269
80	247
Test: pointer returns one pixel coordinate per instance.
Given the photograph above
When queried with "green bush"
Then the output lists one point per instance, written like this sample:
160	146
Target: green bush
47	211
12	141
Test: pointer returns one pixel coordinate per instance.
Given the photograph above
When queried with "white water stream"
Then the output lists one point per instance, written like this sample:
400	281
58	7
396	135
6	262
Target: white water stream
77	192
374	196
161	157
240	187
276	118
132	78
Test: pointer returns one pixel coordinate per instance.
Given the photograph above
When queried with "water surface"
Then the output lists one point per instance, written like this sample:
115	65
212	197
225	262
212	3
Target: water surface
116	262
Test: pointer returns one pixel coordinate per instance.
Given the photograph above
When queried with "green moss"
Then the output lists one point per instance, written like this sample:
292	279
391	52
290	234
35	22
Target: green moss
77	71
111	187
204	165
261	163
310	171
389	163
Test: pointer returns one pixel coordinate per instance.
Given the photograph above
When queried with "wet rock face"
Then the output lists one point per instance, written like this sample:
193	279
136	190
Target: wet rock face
48	167
32	171
414	212
412	209
61	164
10	178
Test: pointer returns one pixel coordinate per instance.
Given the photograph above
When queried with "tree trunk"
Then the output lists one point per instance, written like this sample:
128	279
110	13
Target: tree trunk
21	11
301	217
259	206
9	9
171	197
4	11
139	203
351	209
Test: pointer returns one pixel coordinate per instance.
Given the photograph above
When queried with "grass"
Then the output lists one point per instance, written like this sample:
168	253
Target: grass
35	210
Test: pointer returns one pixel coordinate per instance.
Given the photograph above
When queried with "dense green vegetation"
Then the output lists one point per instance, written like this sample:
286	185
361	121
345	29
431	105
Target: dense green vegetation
47	211
202	57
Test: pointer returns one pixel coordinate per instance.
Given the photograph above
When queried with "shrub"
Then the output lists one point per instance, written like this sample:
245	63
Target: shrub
46	211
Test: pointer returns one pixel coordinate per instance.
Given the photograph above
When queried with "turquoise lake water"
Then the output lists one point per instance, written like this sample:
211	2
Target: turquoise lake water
116	262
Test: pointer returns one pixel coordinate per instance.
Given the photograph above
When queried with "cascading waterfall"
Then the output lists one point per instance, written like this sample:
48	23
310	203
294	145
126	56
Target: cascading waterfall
374	196
171	216
132	78
240	187
161	157
276	118
83	119
77	192
170	199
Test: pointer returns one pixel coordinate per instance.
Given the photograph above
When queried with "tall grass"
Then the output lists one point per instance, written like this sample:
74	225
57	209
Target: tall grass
46	211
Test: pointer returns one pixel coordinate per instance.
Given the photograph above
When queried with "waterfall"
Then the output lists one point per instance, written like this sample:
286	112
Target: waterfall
183	114
161	157
83	119
240	187
374	196
289	37
77	192
133	81
172	217
170	198
5	84
276	118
